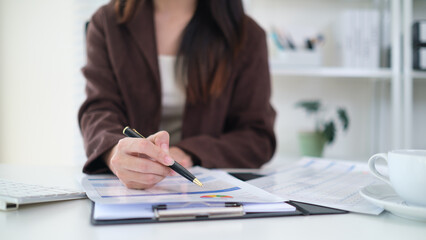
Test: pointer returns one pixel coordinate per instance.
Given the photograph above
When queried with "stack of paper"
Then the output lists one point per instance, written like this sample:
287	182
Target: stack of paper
330	183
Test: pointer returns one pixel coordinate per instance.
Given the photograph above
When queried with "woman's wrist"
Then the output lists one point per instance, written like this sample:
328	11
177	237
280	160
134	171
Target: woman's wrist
107	156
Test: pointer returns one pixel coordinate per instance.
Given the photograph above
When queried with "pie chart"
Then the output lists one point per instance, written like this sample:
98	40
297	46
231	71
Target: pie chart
216	196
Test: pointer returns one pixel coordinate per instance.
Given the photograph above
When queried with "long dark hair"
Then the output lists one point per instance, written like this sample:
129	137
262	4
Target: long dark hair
210	43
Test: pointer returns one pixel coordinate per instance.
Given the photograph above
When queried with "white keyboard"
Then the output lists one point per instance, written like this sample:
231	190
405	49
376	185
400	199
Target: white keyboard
13	194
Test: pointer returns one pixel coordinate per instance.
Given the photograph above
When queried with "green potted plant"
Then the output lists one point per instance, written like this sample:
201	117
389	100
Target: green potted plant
312	142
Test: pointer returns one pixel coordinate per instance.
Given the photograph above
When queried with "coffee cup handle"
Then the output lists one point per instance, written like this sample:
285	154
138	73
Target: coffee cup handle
372	166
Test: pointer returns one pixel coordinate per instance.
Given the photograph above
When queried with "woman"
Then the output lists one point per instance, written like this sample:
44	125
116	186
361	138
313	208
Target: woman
196	69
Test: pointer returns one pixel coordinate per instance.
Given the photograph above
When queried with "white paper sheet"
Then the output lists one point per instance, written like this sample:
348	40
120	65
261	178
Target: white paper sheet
122	211
218	187
330	183
267	207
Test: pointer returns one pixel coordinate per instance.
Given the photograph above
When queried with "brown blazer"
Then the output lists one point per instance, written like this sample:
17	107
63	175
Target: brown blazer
124	88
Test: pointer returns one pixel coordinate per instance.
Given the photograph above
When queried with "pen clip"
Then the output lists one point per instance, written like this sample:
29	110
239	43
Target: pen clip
138	133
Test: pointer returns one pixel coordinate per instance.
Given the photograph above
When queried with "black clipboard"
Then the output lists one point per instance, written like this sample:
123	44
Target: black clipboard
236	212
230	210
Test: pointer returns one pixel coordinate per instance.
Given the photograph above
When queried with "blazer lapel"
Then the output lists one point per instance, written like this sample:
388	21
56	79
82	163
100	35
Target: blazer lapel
141	28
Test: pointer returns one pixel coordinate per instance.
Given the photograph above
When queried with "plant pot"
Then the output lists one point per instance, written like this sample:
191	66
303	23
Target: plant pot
311	143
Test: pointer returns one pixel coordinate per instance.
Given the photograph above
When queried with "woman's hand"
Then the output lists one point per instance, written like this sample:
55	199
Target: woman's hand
181	157
141	163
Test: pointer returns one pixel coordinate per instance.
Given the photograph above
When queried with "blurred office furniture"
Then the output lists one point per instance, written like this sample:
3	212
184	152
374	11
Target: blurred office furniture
419	45
394	19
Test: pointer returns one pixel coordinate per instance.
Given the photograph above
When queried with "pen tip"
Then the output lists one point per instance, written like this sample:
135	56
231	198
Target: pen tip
196	181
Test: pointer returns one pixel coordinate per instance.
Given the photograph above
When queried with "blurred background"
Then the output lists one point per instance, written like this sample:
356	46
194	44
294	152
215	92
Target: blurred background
355	54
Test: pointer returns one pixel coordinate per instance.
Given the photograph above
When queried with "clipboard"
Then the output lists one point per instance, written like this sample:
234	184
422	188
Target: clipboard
231	210
216	211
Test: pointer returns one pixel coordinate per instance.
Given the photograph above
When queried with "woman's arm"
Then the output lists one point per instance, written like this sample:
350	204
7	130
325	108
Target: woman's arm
138	163
102	115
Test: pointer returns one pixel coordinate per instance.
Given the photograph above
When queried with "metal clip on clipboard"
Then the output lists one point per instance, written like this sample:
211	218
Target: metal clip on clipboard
190	211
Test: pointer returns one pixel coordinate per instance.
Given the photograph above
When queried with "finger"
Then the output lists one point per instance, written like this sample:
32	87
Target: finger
186	162
137	186
161	139
139	180
142	165
144	146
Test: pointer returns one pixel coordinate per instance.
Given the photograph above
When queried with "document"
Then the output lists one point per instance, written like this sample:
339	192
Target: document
329	183
218	187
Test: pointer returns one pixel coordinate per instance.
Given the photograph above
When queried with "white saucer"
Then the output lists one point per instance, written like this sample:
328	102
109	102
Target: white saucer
384	196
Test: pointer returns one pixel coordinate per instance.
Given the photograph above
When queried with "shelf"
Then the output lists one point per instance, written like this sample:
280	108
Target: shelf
419	74
333	72
339	72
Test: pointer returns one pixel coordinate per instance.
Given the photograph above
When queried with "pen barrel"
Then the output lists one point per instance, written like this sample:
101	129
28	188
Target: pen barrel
182	171
131	133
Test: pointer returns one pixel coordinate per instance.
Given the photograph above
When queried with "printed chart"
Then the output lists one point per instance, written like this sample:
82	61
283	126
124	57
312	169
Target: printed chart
218	187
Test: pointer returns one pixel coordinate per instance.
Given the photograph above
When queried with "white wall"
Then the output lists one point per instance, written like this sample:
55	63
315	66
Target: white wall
36	80
353	94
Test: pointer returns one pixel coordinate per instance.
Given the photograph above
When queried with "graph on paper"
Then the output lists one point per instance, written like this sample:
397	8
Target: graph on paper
217	185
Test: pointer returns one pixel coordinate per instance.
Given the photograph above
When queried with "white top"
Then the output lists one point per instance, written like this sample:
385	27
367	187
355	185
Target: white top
173	99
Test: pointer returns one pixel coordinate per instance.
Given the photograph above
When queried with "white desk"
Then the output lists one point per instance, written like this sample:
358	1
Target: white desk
71	220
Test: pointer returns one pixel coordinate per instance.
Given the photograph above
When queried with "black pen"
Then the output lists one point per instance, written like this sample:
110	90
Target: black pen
175	166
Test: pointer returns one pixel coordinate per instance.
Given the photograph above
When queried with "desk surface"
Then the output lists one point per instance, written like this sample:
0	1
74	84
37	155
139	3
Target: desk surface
71	220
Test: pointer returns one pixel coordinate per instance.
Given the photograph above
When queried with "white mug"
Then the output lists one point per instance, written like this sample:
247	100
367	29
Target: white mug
407	173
